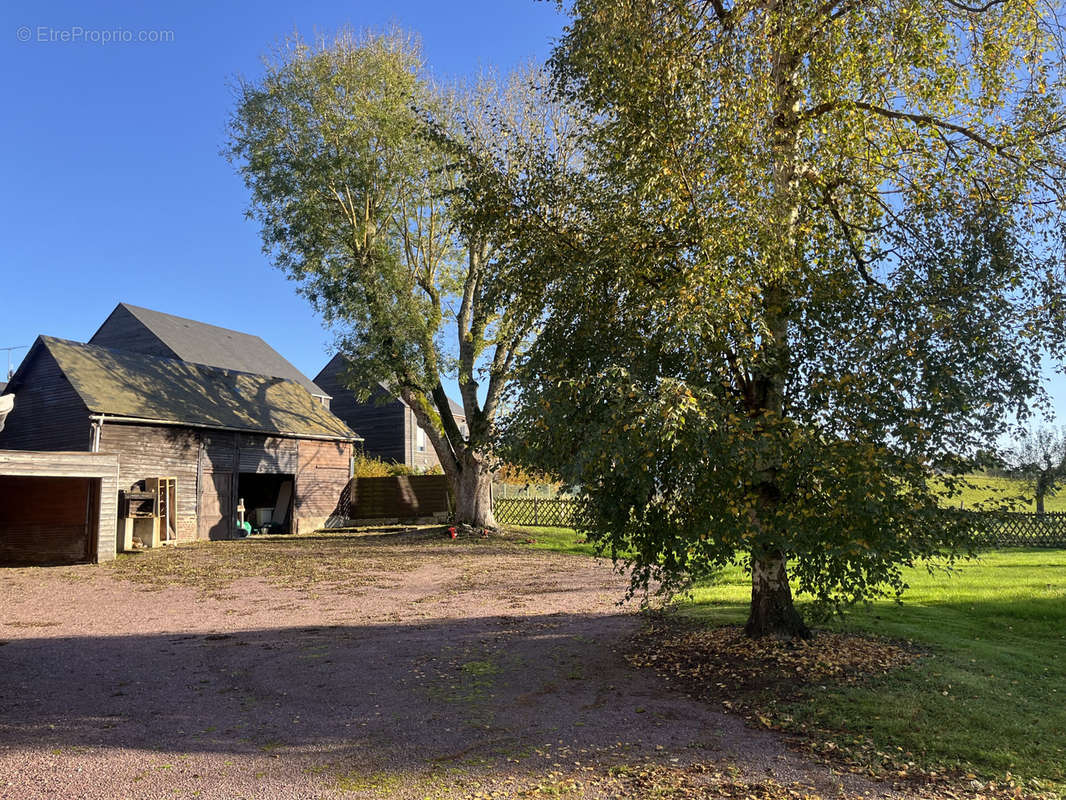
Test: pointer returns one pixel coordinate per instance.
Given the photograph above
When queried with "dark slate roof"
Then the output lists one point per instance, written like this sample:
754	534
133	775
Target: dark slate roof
123	384
334	371
200	343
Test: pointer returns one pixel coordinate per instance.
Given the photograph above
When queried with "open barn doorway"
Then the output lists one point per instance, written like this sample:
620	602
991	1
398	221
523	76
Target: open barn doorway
267	500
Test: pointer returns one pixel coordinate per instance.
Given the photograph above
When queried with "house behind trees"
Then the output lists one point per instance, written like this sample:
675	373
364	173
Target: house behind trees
384	421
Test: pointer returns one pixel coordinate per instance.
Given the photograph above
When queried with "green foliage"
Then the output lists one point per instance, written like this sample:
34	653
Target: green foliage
365	466
814	258
384	196
991	491
1039	459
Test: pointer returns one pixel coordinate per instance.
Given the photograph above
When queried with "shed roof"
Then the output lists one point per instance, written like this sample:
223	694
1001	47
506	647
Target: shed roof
123	384
213	346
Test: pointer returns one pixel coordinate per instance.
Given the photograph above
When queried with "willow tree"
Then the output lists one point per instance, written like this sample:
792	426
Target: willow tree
819	259
381	194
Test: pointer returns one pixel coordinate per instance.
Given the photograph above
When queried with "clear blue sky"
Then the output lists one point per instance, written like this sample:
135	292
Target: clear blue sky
113	186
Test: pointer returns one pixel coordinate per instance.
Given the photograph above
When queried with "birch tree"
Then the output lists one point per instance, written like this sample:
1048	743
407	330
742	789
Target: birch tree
822	258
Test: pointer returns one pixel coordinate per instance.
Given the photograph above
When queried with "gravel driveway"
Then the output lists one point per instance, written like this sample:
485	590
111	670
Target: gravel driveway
395	665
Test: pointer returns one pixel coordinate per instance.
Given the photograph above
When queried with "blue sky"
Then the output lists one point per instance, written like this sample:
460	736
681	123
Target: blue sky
114	189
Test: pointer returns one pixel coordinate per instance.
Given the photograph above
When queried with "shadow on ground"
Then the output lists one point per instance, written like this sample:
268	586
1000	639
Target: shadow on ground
481	694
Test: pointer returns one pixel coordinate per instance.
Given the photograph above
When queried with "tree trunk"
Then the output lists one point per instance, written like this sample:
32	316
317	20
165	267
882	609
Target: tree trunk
772	611
473	495
1045	479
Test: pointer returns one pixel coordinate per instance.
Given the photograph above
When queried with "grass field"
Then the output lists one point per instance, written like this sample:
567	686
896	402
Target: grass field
987	487
989	695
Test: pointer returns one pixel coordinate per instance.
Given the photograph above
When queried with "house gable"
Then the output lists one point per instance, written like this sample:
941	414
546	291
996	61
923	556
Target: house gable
122	330
380	420
49	414
388	426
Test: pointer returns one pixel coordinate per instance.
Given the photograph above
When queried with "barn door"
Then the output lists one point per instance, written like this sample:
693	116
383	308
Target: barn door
216	505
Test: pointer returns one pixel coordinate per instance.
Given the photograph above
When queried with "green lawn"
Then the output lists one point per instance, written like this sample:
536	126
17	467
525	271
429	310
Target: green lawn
563	540
990	694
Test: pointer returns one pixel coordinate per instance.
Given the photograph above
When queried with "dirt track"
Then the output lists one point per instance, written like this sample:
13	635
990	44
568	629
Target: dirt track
398	666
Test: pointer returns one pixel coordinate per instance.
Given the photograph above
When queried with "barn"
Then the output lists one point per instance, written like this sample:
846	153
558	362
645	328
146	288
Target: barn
212	437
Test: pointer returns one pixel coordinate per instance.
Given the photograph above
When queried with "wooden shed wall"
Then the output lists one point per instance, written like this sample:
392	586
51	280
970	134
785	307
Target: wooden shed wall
147	451
206	465
57	506
48	414
321	481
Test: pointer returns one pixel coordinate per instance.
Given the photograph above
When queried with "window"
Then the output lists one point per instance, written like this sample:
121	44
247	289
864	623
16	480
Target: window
420	439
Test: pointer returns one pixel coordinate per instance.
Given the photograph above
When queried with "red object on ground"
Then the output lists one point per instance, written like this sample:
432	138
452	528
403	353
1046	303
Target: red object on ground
452	532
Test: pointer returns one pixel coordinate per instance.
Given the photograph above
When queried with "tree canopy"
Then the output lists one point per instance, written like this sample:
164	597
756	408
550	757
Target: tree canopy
815	255
381	193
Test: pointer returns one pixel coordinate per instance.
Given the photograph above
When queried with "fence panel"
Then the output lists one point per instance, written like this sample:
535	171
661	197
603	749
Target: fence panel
537	512
990	528
1018	529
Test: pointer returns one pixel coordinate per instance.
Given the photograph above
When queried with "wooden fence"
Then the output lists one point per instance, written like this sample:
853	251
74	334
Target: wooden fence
537	512
396	497
1017	529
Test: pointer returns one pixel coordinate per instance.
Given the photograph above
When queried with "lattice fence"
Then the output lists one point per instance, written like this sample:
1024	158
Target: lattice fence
537	512
990	528
1015	529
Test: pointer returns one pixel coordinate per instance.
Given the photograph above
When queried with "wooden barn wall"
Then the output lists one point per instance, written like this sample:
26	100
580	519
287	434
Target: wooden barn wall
267	454
321	481
218	466
43	520
147	451
48	413
206	464
123	331
219	451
